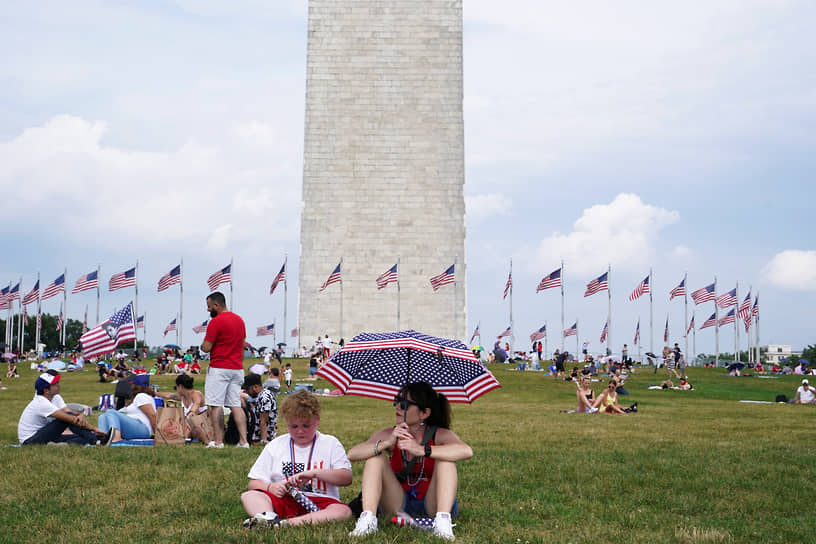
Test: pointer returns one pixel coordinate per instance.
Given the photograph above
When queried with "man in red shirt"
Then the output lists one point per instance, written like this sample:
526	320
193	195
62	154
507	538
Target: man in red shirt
224	342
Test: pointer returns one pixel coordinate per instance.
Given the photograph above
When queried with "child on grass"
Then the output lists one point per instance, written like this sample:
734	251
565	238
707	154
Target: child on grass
304	460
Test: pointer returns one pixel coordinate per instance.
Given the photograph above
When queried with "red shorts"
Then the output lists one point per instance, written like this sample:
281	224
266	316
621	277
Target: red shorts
287	507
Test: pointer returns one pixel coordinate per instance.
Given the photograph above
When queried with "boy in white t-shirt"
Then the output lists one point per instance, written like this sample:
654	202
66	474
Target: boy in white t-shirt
287	376
304	460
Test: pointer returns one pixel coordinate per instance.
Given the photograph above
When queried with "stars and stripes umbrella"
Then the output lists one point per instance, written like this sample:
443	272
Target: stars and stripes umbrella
377	365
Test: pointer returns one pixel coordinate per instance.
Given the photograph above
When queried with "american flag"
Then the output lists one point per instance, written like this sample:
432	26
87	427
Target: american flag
85	321
691	326
678	291
171	278
334	277
745	307
389	276
728	318
508	285
32	295
703	295
444	278
637	333
572	331
220	276
604	332
266	330
641	289
105	337
140	322
475	334
710	322
294	333
553	279
597	285
747	321
728	299
279	278
123	279
201	328
59	319
755	310
170	327
4	297
505	333
56	286
666	330
86	282
539	334
14	294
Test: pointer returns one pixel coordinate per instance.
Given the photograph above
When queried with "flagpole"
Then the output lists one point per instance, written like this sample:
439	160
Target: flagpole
136	309
455	262
98	290
562	306
285	273
756	330
232	296
694	333
716	327
398	292
576	337
685	311
640	357
748	330
37	326
7	337
181	303
20	318
651	312
341	298
546	340
609	312
512	330
64	308
736	331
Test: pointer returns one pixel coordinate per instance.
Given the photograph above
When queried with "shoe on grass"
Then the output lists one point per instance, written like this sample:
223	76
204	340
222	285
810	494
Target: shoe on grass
245	445
442	527
212	444
263	520
366	524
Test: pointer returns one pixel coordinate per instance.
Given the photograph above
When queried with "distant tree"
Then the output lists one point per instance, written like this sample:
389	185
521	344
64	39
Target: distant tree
809	353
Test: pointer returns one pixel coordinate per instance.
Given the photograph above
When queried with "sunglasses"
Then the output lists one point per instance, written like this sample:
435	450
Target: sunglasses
404	403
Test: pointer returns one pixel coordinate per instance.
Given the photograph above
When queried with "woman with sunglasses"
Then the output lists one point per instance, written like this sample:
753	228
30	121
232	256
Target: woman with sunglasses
607	401
410	469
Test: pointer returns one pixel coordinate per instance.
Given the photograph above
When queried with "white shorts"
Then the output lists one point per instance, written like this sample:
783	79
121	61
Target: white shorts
223	387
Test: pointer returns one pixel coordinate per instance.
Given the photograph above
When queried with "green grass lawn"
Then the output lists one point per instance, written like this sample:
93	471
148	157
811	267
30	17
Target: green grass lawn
694	466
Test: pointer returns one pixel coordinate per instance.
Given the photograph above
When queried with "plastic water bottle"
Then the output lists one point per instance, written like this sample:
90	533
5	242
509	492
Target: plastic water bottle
303	500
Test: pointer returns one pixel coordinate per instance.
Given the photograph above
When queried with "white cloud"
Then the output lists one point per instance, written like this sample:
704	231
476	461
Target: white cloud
175	197
792	269
481	207
622	233
681	252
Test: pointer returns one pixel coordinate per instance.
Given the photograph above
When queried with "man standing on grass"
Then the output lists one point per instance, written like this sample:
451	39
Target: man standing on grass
224	341
46	418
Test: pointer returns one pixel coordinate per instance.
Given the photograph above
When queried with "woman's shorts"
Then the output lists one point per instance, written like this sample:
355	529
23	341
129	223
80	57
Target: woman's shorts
416	507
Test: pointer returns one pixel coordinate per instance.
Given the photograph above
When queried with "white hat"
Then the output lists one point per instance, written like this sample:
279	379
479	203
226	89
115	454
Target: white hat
805	382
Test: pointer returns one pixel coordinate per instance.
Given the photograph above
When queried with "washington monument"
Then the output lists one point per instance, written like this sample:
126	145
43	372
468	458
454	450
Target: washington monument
383	175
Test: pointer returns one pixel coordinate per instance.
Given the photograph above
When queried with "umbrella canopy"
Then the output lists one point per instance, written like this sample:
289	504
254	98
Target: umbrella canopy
8	355
172	346
804	361
736	366
377	365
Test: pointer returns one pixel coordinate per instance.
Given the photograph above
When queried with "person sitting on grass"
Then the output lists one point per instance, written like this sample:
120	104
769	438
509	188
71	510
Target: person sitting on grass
137	419
303	460
418	475
607	401
191	400
12	370
805	394
46	418
585	396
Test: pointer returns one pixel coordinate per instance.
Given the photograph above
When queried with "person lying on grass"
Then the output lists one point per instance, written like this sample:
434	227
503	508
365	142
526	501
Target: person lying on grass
607	401
418	475
137	419
303	460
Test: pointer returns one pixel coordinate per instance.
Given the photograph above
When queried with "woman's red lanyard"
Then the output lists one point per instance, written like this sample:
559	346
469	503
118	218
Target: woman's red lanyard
292	453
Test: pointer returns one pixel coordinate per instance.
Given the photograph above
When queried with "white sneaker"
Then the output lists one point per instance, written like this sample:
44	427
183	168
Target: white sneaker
245	445
262	520
442	526
212	444
366	524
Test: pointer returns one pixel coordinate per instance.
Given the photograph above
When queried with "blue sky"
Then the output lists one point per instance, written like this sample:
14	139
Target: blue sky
650	134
